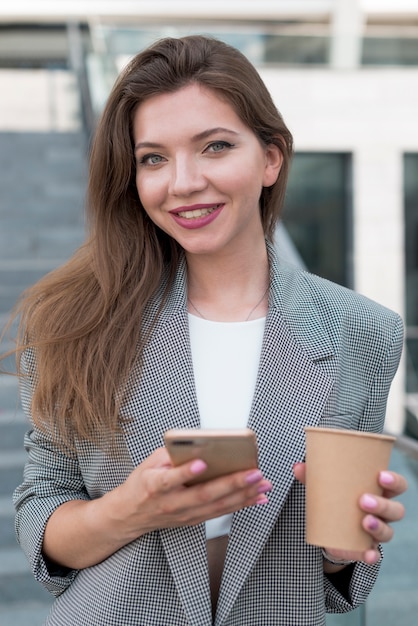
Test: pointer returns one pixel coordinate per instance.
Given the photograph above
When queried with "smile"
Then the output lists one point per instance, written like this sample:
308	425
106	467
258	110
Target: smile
196	213
196	216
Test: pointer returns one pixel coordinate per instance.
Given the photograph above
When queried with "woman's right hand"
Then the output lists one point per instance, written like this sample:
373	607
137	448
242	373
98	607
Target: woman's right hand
82	533
155	495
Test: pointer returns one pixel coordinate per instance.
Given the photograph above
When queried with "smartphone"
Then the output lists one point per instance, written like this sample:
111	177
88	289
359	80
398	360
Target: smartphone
224	451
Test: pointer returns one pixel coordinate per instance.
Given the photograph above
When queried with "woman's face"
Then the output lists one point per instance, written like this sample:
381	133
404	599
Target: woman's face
200	170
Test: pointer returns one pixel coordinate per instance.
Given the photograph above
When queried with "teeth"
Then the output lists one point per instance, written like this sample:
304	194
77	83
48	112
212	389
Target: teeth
197	212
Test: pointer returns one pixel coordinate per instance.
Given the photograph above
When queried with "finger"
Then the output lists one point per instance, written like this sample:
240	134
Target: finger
213	489
230	493
343	555
377	528
211	499
384	508
393	484
181	475
299	471
233	501
159	458
371	557
243	484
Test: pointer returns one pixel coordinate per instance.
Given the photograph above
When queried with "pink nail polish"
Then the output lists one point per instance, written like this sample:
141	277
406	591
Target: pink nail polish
372	523
198	466
262	500
253	477
264	488
386	478
368	501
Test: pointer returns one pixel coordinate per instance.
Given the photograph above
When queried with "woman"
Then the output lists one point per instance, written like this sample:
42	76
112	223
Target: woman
177	313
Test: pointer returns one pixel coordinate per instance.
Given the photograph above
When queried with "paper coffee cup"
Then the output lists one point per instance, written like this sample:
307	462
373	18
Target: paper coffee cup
341	465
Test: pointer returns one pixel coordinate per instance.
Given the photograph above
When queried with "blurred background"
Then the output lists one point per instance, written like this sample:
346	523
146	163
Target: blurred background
344	74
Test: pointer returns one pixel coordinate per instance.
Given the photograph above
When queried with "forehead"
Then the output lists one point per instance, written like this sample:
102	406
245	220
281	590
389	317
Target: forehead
191	105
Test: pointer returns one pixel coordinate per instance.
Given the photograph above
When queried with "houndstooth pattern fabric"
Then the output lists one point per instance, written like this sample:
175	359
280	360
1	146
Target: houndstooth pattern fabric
328	358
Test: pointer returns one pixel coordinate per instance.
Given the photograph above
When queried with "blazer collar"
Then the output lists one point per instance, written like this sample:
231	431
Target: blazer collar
291	391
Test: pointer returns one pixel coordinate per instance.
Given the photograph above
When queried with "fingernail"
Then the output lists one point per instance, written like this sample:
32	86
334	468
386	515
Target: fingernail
198	466
372	557
253	477
372	523
264	488
262	500
386	478
368	501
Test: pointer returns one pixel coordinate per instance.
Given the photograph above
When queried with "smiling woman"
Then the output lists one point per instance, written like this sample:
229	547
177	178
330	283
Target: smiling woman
177	313
191	184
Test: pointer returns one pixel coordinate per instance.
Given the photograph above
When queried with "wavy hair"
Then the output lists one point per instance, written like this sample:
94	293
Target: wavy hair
83	320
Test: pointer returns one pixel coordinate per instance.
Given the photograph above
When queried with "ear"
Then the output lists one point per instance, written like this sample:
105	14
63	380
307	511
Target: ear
274	161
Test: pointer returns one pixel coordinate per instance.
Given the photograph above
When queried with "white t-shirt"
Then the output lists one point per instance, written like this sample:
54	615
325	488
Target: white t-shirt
226	356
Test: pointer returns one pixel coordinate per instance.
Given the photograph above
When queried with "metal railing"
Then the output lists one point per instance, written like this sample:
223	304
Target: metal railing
78	64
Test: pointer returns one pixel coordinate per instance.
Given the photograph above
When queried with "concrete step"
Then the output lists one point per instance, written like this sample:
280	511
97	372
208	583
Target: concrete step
9	397
41	206
23	613
23	601
43	188
42	180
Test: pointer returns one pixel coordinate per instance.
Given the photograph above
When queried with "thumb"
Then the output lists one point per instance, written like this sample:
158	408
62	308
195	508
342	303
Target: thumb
299	471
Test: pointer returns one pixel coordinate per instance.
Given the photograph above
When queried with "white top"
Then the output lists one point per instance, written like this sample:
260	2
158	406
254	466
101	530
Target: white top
225	363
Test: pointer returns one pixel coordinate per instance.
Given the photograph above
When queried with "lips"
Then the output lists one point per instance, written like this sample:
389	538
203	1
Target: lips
197	213
196	216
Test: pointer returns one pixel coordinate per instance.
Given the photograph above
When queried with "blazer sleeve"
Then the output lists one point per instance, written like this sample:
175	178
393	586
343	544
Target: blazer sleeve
51	477
350	592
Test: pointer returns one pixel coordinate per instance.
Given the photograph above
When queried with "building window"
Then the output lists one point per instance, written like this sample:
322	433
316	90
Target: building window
390	42
390	51
411	269
317	213
284	43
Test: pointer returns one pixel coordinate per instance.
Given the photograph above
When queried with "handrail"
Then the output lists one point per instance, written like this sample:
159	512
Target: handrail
78	65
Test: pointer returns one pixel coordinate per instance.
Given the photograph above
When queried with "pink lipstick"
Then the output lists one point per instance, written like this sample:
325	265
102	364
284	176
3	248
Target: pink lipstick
196	215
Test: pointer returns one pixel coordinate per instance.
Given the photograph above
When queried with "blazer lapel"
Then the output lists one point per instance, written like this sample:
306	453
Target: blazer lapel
161	397
291	392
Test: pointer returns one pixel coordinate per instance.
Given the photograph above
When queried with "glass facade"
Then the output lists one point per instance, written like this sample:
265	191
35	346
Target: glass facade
411	288
317	213
262	45
282	43
390	51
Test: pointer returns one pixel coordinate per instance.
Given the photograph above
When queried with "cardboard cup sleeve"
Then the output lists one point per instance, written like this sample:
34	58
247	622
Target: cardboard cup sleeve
341	465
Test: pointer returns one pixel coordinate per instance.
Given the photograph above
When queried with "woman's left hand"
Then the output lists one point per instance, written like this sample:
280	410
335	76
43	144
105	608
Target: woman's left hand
380	512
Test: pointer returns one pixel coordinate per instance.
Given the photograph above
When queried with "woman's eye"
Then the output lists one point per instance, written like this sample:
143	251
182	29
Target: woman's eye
151	159
219	146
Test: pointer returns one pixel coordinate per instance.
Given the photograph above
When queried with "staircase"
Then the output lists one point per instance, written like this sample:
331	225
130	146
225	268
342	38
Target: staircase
42	188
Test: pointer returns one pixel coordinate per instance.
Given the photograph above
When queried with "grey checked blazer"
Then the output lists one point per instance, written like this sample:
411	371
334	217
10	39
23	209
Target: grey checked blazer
328	357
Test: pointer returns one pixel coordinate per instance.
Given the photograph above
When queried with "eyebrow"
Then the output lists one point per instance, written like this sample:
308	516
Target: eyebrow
198	137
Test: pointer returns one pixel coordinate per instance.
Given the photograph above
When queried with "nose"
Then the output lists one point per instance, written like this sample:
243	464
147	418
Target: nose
186	177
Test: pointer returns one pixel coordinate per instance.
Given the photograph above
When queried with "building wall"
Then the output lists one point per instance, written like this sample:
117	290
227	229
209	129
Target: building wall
373	115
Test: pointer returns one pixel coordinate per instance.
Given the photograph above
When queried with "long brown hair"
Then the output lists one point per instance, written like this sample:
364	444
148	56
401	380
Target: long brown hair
83	321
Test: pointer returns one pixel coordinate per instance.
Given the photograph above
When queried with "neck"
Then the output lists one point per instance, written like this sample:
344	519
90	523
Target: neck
229	288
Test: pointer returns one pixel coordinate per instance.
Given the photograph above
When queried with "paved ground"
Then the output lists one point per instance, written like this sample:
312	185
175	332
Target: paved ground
42	182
